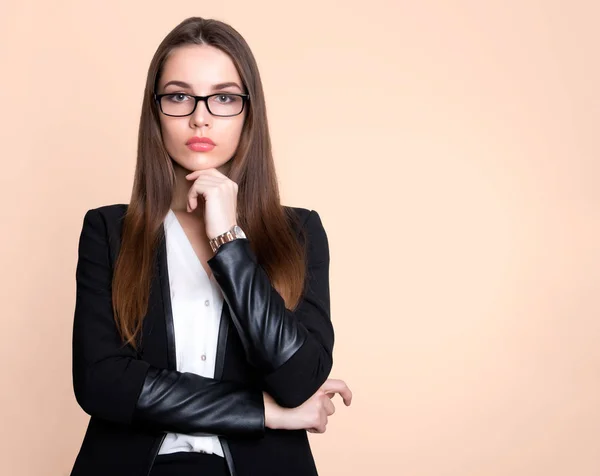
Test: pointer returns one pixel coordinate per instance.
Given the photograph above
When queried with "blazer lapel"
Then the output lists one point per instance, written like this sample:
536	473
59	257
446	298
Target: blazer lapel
165	294
159	330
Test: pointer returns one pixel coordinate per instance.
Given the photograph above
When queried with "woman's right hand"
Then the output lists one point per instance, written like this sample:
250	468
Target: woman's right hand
312	415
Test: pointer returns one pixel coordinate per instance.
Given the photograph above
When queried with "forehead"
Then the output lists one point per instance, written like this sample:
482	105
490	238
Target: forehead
199	65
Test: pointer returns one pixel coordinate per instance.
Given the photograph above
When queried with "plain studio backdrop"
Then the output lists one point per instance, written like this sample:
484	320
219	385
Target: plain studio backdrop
451	150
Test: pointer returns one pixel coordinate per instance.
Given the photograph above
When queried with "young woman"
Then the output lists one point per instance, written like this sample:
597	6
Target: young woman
202	339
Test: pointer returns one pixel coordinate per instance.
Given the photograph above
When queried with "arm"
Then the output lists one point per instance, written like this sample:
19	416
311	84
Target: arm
110	381
292	349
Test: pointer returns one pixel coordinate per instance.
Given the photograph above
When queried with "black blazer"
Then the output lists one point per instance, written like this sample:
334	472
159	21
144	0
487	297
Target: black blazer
135	397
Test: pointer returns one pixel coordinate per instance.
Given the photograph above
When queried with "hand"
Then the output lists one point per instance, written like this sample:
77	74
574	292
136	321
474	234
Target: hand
312	415
220	199
329	389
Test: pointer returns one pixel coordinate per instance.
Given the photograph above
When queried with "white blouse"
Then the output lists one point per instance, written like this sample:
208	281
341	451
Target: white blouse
196	302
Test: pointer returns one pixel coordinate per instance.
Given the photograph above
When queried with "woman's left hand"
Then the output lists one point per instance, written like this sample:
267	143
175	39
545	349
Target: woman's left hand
220	200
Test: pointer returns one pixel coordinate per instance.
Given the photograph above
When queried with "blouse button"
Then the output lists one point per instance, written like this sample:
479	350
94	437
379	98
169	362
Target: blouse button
206	303
203	357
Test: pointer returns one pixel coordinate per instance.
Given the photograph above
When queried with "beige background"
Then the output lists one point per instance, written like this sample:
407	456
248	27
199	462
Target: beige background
451	150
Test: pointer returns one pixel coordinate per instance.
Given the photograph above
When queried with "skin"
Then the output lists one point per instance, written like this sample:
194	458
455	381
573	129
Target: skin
205	199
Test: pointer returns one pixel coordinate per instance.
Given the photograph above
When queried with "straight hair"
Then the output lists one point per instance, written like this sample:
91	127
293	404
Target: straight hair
267	224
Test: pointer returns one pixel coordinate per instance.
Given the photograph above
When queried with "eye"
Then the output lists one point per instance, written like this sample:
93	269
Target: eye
226	98
178	97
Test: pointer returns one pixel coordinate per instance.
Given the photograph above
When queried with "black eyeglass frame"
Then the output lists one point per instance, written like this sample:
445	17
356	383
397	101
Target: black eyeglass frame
245	99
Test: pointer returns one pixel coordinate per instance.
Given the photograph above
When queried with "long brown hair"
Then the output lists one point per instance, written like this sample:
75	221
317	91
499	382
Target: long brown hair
260	213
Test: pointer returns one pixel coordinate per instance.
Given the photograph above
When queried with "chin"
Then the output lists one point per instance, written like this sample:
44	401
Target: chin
200	161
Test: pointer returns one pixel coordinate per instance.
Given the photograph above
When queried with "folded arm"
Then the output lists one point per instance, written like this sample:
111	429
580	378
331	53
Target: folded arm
111	382
293	349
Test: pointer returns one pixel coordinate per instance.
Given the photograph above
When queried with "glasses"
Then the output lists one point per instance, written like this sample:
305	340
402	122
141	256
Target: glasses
221	104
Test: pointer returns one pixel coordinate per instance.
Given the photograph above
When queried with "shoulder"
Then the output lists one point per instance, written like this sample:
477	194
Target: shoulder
110	212
104	223
308	223
297	215
303	218
110	216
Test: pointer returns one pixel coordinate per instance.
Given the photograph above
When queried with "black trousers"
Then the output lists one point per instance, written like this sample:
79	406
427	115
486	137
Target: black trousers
192	463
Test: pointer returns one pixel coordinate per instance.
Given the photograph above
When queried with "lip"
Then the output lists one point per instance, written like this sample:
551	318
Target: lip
200	146
199	140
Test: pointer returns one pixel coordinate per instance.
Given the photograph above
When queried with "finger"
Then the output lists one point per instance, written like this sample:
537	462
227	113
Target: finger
192	199
192	203
197	173
200	187
346	396
333	384
329	407
213	176
338	386
208	179
194	175
206	172
205	185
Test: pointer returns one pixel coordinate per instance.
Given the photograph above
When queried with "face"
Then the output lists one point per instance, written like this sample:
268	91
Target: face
200	70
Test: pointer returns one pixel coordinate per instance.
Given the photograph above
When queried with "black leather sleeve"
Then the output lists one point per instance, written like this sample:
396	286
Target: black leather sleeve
111	382
293	349
184	402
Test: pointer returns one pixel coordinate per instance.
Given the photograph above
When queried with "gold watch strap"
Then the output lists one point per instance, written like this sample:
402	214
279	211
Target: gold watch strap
217	241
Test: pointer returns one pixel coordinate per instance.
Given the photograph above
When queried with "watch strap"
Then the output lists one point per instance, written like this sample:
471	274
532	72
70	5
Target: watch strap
226	237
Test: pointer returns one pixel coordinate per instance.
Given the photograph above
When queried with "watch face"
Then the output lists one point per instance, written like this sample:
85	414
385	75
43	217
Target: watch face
238	232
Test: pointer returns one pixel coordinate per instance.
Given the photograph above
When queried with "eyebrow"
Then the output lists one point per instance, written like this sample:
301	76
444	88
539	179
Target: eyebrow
215	87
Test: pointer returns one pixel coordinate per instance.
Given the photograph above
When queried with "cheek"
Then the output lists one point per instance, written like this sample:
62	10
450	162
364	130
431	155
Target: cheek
237	132
170	133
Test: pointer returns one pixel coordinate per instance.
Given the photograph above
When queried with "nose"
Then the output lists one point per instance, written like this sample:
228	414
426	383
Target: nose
200	117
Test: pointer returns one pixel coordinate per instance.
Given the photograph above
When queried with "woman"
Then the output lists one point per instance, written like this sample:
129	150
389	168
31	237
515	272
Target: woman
202	339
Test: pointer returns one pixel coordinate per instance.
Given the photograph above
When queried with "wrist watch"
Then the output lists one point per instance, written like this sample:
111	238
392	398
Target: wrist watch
233	233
